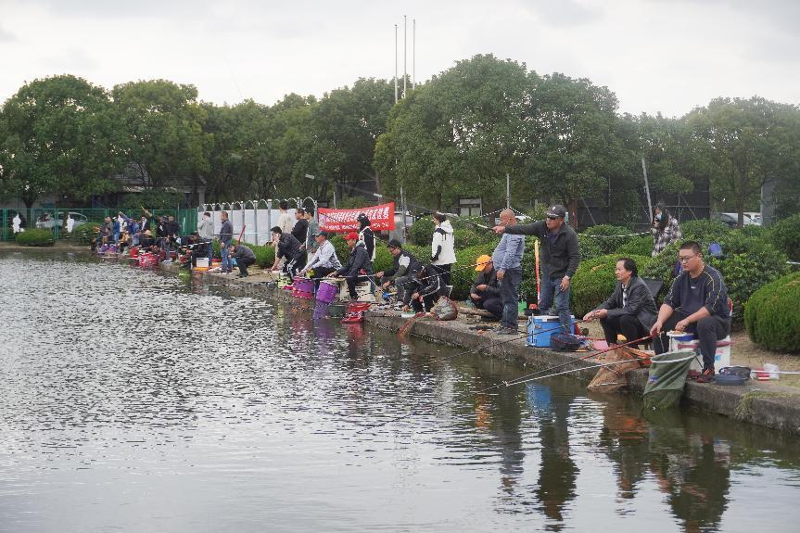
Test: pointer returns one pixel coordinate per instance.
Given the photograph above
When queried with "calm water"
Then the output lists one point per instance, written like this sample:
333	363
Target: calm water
131	401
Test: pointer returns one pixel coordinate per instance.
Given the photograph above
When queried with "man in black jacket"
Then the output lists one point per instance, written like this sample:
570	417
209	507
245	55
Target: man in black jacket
402	272
485	292
357	261
560	259
630	310
427	289
300	229
244	258
225	238
287	246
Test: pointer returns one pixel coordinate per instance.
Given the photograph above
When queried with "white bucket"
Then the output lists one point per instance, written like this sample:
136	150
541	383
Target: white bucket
201	262
721	359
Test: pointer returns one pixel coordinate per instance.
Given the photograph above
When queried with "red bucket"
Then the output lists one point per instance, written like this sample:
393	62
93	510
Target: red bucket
134	252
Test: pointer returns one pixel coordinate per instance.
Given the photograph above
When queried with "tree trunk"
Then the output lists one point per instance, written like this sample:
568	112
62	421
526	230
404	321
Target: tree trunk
573	213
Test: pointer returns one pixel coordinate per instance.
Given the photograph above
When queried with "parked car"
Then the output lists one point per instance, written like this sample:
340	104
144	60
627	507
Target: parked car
49	221
755	218
732	219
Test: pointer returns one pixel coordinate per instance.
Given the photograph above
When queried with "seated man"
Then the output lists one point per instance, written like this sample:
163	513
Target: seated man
485	292
401	273
324	261
358	261
696	303
630	310
428	286
244	258
286	245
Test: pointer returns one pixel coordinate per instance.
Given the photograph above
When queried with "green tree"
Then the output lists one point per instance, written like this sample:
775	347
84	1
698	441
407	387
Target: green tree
573	145
167	144
742	144
61	136
458	134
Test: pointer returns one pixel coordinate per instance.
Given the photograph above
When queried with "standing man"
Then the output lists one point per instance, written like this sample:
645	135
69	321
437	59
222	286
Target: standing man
311	234
696	303
225	238
507	259
244	258
205	230
300	229
630	310
285	221
560	259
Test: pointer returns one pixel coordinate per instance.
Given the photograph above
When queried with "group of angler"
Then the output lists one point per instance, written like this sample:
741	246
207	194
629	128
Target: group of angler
123	232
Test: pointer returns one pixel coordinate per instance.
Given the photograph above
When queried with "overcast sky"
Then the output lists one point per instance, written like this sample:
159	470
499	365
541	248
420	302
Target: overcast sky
656	55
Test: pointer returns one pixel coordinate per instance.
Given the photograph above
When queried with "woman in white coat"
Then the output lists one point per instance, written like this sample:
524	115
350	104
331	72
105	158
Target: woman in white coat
443	254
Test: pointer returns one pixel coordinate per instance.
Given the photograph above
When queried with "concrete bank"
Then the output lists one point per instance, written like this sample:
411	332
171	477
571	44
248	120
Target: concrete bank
763	403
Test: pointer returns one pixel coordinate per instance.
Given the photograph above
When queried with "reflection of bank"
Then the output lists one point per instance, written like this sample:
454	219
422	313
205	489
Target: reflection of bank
624	440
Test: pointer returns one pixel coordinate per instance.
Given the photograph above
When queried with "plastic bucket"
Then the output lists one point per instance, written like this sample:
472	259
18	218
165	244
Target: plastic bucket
327	292
134	252
201	262
541	328
304	285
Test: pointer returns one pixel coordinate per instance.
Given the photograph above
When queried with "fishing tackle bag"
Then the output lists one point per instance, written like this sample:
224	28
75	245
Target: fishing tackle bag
445	309
564	342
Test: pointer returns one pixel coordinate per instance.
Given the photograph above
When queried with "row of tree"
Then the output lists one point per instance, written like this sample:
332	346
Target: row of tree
456	135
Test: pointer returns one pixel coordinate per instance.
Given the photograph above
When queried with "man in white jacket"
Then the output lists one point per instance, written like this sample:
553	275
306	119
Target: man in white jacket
205	230
443	254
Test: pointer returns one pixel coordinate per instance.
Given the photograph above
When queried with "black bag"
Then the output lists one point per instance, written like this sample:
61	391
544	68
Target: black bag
564	342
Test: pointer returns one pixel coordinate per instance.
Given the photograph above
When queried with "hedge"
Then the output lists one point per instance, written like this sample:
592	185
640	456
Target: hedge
463	275
772	316
704	231
35	237
84	233
786	236
607	237
595	280
642	245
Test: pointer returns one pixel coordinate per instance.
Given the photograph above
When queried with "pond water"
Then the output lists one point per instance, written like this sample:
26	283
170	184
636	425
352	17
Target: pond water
133	401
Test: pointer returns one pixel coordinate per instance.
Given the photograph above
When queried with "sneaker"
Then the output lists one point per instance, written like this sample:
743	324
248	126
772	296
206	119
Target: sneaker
707	376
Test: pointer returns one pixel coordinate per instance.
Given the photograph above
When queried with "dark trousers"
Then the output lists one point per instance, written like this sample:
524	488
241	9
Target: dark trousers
319	273
352	281
243	264
509	293
708	331
628	325
293	266
427	302
493	304
444	270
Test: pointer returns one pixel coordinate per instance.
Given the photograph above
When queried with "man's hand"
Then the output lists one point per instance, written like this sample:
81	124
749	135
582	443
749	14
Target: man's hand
656	329
415	296
474	296
564	283
386	285
379	274
501	274
481	287
682	325
499	229
588	316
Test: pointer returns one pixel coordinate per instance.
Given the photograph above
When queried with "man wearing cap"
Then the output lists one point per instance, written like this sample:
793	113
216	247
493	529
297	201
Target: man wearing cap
560	259
401	273
324	261
485	292
357	261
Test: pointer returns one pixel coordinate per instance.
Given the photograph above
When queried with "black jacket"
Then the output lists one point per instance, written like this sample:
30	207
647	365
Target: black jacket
430	282
300	230
288	247
559	259
226	232
357	260
492	285
639	303
404	264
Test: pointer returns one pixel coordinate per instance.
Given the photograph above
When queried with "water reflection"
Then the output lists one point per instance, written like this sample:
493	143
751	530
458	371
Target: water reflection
154	387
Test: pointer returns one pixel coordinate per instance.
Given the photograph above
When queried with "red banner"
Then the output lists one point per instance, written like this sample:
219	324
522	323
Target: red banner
380	216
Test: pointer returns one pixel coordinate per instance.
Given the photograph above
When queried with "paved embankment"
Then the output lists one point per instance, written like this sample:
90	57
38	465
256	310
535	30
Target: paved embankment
763	403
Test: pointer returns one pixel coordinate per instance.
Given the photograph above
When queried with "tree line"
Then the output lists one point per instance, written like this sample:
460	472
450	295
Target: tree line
456	135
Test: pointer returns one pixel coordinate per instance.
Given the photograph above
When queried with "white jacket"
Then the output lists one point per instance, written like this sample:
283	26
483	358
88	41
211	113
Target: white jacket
205	228
443	237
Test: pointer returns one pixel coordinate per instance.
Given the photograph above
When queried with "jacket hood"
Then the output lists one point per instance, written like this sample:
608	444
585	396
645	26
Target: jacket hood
446	227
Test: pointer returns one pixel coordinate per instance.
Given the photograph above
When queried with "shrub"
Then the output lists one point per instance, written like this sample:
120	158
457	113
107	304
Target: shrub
528	285
594	282
786	236
661	267
84	233
772	316
589	247
421	231
35	237
704	231
642	245
265	255
609	238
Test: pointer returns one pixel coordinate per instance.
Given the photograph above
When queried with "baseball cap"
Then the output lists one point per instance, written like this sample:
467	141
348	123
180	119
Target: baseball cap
352	236
482	260
394	243
322	233
557	211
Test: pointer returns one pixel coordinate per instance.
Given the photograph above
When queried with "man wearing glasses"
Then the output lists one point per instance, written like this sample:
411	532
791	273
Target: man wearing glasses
697	303
560	259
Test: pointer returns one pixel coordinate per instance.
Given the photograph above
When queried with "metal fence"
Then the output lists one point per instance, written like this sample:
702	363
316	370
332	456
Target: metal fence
56	219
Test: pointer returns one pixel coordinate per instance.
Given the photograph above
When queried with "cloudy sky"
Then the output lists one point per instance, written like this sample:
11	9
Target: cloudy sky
657	55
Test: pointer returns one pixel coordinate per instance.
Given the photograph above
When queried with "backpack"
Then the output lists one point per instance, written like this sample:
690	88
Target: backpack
564	342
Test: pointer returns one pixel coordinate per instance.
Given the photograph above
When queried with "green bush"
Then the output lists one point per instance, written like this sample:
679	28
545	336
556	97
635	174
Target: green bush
528	285
35	237
786	236
772	316
661	267
595	280
704	231
421	231
642	245
265	255
84	233
589	247
608	238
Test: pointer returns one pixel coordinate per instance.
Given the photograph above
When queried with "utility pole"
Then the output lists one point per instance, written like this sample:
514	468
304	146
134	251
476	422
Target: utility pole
647	189
405	53
395	63
414	54
508	191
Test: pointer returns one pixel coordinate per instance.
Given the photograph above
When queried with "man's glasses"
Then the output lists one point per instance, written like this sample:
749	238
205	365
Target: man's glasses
553	217
686	259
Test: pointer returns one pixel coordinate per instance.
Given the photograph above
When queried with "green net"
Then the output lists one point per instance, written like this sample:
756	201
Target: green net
666	379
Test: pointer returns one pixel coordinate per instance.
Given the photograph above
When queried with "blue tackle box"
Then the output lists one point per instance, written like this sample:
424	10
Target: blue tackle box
542	327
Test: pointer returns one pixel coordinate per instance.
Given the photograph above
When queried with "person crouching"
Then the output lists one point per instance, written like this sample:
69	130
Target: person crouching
244	258
427	290
356	262
485	292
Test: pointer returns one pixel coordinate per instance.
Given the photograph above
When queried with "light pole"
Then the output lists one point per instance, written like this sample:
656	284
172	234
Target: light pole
312	177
